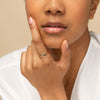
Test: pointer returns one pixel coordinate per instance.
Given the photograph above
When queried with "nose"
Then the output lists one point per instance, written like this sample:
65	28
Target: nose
54	7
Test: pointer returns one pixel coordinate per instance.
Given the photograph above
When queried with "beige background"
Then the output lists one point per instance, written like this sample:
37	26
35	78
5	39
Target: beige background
14	29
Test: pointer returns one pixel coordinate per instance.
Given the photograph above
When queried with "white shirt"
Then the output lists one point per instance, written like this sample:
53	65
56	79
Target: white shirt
14	86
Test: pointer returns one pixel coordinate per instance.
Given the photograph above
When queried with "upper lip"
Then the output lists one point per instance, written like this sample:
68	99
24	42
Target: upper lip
54	24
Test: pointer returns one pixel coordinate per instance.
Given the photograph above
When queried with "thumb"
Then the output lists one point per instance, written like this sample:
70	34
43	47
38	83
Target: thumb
66	53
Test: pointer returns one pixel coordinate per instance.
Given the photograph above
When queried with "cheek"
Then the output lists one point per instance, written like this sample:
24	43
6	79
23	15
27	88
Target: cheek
80	15
32	9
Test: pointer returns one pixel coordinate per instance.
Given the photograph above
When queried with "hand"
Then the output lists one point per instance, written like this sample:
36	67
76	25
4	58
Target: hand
43	72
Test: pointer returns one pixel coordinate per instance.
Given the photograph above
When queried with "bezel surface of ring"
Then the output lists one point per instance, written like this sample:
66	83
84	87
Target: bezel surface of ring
44	54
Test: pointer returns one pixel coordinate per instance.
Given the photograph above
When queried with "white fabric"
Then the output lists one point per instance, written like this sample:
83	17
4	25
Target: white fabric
13	85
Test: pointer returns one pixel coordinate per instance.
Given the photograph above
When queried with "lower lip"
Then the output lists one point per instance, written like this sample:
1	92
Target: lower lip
53	30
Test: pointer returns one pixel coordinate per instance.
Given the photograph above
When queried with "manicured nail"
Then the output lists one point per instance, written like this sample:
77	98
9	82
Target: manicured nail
31	20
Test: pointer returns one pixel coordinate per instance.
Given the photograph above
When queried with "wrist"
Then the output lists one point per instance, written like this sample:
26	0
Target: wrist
55	93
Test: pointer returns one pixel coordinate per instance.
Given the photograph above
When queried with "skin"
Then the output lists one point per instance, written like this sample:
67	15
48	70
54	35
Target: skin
74	14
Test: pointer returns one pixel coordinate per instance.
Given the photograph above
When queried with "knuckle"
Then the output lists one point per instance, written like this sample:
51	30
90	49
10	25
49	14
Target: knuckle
35	64
29	68
63	67
36	40
47	62
23	53
28	48
23	72
66	66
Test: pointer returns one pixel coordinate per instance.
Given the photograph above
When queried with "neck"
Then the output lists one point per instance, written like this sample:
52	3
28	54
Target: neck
78	52
79	48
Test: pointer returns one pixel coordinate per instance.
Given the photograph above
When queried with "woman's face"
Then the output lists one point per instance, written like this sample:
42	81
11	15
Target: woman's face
74	14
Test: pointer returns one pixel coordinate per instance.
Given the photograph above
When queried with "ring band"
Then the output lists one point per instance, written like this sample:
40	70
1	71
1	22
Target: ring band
44	54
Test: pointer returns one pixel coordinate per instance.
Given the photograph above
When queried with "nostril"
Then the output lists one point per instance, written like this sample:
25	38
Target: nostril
58	11
49	11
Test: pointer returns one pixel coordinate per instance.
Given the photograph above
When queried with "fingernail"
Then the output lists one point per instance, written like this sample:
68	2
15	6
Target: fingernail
31	21
66	44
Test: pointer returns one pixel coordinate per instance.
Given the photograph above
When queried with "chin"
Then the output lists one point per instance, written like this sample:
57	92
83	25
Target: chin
53	45
52	42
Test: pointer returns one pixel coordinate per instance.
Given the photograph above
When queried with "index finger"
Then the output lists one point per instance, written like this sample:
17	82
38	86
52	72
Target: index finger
40	47
34	29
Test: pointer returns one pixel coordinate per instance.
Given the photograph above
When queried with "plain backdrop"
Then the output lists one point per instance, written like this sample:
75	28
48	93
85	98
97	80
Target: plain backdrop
14	29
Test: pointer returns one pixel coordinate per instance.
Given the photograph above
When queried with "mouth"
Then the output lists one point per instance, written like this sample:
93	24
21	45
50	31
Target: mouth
54	27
